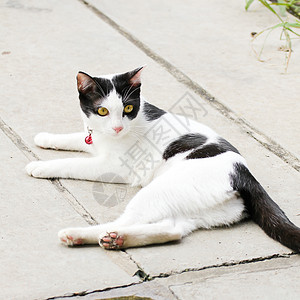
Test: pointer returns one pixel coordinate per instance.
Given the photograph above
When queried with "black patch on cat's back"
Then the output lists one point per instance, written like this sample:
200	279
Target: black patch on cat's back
227	146
184	143
152	112
211	150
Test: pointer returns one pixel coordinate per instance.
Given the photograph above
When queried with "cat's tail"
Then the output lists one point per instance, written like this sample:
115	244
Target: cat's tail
263	210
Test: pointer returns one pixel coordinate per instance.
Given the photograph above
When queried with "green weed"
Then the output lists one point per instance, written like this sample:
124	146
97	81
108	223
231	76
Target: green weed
287	28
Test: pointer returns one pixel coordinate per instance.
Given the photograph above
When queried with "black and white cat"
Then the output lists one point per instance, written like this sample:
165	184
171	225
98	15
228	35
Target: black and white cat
191	177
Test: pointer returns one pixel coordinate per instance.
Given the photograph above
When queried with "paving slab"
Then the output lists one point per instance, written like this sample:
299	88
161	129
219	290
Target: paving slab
211	43
49	90
34	265
274	279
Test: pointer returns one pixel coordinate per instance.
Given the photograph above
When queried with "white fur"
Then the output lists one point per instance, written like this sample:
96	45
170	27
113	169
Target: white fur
178	195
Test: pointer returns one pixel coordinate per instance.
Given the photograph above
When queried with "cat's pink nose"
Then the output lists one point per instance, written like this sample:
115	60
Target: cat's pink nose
118	129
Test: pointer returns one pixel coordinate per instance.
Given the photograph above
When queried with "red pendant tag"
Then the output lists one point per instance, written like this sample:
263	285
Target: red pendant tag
89	139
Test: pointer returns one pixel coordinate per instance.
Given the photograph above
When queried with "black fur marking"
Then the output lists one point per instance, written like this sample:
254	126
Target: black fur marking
227	146
130	94
93	98
152	112
212	150
184	143
263	210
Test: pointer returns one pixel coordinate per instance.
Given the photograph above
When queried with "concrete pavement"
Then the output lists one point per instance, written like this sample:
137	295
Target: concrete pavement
194	52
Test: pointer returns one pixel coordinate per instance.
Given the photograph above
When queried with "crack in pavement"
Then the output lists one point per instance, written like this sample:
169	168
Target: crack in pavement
85	293
226	264
181	77
166	275
140	272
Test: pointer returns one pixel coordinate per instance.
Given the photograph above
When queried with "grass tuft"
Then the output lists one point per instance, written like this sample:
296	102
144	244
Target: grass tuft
287	28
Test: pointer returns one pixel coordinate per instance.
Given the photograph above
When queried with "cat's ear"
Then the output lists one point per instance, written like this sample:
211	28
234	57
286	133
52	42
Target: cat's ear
135	76
85	83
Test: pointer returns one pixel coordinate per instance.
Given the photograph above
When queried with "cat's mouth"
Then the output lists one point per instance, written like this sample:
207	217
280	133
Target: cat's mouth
118	132
118	129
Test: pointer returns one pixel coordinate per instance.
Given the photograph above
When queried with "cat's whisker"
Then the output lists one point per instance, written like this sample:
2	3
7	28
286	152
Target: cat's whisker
124	90
130	99
127	92
125	99
101	89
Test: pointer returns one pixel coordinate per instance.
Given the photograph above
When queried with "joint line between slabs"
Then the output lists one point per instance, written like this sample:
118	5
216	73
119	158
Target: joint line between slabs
20	144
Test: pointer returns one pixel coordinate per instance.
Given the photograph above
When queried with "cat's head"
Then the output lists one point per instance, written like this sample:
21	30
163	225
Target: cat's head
110	103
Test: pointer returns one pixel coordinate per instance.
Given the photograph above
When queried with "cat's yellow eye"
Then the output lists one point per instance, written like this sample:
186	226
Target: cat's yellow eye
128	108
102	111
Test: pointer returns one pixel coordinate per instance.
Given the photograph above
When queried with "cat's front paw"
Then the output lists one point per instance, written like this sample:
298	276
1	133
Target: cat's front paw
40	169
44	140
70	237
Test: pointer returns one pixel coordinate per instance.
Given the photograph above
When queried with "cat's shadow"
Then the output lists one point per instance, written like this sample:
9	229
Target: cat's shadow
178	242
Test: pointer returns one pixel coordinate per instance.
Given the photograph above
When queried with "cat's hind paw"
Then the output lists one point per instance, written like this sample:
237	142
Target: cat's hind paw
43	140
111	241
69	237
